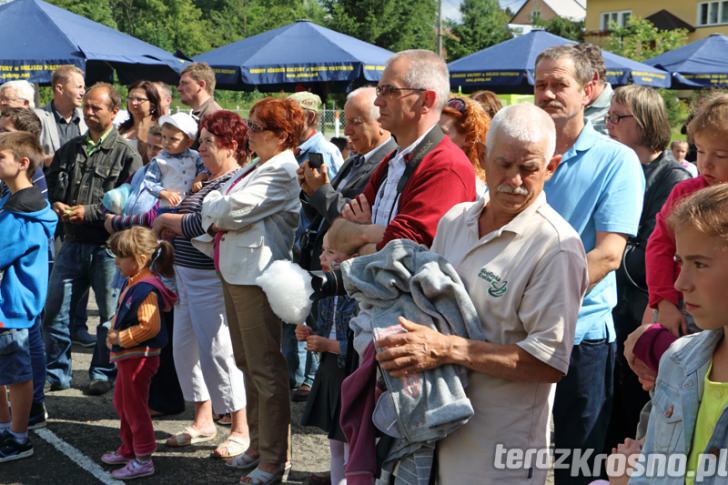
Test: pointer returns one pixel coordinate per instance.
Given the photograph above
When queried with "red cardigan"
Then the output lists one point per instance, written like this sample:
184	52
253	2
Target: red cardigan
662	270
443	178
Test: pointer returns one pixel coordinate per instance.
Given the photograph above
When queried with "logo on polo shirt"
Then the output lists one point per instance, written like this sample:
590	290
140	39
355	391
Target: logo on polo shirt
498	286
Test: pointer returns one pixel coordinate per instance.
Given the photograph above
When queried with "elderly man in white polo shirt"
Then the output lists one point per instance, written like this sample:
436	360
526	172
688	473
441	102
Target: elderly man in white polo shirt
525	270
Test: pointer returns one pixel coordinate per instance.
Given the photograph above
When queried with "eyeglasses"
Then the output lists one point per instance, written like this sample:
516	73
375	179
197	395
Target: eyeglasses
457	104
614	118
136	99
354	121
256	128
386	90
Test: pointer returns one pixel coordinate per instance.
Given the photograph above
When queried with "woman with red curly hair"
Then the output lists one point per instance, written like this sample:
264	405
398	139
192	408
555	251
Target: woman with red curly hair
253	218
201	344
466	123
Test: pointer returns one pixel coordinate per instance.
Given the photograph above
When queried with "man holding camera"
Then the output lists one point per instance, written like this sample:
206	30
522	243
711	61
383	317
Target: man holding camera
315	149
312	140
322	199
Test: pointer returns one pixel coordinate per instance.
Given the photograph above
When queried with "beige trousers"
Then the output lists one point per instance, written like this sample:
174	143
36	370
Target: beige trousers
255	332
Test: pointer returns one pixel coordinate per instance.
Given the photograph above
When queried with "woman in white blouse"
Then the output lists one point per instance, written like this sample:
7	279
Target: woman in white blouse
254	218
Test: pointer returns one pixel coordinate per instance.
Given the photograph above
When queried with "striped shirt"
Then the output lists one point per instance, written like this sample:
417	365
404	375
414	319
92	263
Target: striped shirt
185	254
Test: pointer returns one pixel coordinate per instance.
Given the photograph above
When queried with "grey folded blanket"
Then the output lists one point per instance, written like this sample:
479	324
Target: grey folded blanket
406	279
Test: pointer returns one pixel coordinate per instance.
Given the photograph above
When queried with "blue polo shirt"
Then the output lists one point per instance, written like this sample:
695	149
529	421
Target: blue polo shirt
319	144
598	187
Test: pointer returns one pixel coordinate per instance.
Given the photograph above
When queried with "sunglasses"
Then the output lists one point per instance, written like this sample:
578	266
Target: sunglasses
256	128
386	90
457	104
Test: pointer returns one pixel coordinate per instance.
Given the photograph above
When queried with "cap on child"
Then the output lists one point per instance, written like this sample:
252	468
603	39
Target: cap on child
183	122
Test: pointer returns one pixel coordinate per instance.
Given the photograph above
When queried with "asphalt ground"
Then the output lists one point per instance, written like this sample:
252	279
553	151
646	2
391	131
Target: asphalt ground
81	428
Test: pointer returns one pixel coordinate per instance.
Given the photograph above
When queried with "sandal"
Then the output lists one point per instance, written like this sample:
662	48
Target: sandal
224	420
243	462
189	436
259	477
153	413
233	446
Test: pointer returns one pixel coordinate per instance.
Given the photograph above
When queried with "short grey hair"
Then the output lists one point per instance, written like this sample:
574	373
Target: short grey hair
370	94
23	90
525	123
163	89
583	68
427	71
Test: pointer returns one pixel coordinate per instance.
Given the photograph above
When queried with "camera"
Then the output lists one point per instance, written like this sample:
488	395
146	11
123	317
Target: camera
315	160
327	283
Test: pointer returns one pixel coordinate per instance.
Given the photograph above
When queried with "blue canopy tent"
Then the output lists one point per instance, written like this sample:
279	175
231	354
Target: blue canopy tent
301	55
700	64
509	67
36	37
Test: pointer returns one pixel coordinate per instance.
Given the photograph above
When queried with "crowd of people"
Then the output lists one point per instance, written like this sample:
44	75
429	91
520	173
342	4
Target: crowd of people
542	276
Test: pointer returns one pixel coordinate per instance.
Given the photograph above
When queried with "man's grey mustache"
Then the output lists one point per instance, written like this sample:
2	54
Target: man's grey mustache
505	188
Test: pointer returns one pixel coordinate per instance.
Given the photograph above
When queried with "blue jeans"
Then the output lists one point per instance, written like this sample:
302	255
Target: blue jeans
77	267
302	365
295	354
80	314
583	405
37	359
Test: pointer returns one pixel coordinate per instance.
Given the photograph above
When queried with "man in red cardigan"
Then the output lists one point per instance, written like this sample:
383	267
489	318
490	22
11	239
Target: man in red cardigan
413	187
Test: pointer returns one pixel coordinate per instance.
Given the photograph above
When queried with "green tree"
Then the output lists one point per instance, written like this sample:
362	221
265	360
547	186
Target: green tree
562	27
96	10
169	24
640	39
392	24
483	24
237	19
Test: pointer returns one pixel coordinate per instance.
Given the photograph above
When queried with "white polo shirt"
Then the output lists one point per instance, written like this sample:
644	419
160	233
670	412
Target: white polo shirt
527	280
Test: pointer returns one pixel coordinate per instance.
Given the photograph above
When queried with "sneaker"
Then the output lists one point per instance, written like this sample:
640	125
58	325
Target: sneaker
114	458
97	388
82	338
301	394
55	386
38	416
11	450
134	469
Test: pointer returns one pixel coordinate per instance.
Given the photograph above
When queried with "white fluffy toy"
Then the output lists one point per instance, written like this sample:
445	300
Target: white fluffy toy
288	288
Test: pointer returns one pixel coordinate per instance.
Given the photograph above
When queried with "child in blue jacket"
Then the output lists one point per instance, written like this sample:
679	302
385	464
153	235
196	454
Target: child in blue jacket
27	223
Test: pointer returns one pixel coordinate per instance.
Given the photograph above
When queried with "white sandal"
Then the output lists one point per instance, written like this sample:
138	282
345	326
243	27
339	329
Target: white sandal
243	462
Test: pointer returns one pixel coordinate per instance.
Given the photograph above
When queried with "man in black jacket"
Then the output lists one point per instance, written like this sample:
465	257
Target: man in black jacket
81	172
322	200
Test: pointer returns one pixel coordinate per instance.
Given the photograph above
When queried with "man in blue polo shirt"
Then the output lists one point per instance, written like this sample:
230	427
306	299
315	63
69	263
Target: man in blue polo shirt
598	187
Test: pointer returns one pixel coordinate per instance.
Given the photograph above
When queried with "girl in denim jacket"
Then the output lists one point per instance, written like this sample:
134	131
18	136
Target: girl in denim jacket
331	340
688	424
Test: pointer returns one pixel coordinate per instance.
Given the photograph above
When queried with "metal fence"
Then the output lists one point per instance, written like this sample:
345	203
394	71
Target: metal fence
332	120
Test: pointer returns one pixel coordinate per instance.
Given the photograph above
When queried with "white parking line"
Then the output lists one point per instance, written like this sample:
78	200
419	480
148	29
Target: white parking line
77	457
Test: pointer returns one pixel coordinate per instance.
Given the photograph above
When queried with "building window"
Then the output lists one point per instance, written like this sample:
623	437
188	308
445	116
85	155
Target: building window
620	18
712	13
